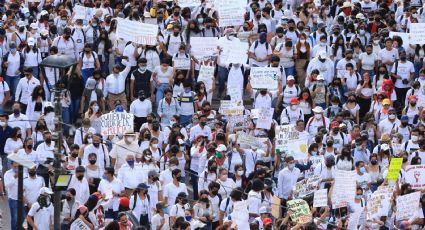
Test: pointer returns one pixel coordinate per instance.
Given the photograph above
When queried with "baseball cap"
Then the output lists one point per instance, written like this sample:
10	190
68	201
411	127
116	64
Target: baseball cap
221	148
404	118
413	98
267	221
45	190
31	41
290	77
386	101
142	186
294	101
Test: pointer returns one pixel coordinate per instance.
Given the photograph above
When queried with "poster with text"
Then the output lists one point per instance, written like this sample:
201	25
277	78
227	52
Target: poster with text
203	46
138	32
264	78
115	123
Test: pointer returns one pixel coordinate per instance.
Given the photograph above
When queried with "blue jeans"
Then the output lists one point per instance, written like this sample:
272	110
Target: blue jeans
86	73
35	71
13	207
222	78
185	120
104	66
75	107
194	181
290	71
160	92
66	118
12	81
418	66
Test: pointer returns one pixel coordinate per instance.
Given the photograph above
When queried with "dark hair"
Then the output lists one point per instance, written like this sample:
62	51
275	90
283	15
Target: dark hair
110	170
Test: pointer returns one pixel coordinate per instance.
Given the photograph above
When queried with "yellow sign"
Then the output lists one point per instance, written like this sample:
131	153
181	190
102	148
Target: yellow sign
394	169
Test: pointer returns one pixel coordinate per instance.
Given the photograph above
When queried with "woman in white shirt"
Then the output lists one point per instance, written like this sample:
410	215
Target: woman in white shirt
35	107
154	148
161	78
364	93
152	56
94	113
88	62
93	173
32	56
177	83
286	53
160	220
14	142
368	61
352	106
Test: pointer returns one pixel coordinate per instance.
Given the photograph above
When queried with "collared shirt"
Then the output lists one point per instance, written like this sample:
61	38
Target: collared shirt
21	121
130	176
115	84
32	188
286	181
101	153
11	184
82	191
107	187
120	151
25	88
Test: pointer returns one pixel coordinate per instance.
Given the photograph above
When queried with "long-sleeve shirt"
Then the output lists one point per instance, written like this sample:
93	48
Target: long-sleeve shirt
286	181
25	88
115	84
81	188
11	184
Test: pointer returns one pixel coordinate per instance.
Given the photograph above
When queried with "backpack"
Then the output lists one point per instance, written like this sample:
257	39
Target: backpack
72	39
256	45
84	34
92	54
287	115
135	200
168	40
179	99
296	87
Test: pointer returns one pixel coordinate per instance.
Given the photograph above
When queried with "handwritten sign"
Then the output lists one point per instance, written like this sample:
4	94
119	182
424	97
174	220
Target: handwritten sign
407	205
394	169
237	52
417	33
78	224
265	118
289	141
415	176
344	188
238	122
206	75
81	12
231	107
379	203
203	46
320	198
248	141
264	78
306	186
231	12
138	32
115	123
182	63
299	211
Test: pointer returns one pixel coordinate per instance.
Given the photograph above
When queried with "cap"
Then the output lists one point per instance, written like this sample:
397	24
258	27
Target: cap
91	83
21	24
413	98
44	12
142	186
98	195
45	190
263	210
169	26
386	101
267	221
404	118
124	202
360	16
318	109
320	77
334	124
221	148
129	132
31	41
294	101
153	173
33	26
44	32
290	77
322	54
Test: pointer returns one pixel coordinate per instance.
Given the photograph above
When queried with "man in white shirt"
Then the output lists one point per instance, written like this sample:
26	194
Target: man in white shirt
66	44
100	150
200	129
32	186
80	184
287	179
13	62
402	70
69	208
341	65
140	108
111	188
294	113
386	125
318	120
123	148
388	55
260	51
130	174
17	119
171	190
325	66
11	185
81	132
41	213
25	88
115	85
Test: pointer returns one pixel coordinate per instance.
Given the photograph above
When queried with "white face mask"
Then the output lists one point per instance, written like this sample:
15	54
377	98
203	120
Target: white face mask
148	158
172	123
172	167
317	116
155	146
96	108
89	140
391	116
2	123
294	107
240	172
291	166
414	138
130	139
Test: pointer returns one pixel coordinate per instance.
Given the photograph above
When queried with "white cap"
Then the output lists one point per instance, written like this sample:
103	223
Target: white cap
318	109
44	12
21	23
221	148
320	77
31	41
34	26
290	77
45	190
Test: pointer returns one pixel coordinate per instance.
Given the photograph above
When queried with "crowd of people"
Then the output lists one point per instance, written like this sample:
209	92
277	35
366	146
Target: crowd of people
349	82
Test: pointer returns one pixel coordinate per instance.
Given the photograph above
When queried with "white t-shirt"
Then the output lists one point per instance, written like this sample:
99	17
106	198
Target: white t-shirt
403	70
171	191
368	61
42	217
156	222
388	55
261	51
163	77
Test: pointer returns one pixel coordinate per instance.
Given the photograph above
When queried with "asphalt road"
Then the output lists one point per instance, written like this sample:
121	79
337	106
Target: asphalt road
5	216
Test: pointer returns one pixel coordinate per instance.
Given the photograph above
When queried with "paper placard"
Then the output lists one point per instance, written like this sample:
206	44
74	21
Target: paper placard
138	32
238	122
78	224
264	78
231	107
276	207
206	75
237	53
394	169
247	141
231	12
182	63
290	142
379	203
299	211
203	46
417	33
81	12
306	186
415	176
320	198
265	118
344	189
407	205
115	123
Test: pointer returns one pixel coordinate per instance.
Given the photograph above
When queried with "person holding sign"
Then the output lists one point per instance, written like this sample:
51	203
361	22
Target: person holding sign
260	51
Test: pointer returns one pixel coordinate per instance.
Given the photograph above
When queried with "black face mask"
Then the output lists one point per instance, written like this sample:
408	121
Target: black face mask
96	145
147	136
202	123
74	155
16	112
68	198
258	16
21	29
176	13
155	128
29	146
412	103
149	121
32	173
48	141
403	58
213	169
329	144
92	162
291	28
204	200
178	178
80	177
263	92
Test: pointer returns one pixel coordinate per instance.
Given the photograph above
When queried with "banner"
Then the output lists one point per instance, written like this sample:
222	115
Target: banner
182	63
407	205
306	186
78	224
394	169
247	141
264	78
299	211
237	53
288	140
189	3
81	12
231	108
379	202
415	176
206	75
344	189
403	36
115	123
203	46
138	32
320	198
417	33
265	118
231	12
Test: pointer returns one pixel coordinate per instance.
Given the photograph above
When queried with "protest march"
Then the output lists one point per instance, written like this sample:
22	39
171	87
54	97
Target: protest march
212	115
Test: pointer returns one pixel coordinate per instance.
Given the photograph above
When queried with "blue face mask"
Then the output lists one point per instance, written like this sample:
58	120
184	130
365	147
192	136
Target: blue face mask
119	108
104	177
188	218
131	163
165	210
13	50
187	90
363	170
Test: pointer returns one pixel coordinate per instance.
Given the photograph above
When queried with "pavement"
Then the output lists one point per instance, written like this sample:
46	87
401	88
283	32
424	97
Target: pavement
5	215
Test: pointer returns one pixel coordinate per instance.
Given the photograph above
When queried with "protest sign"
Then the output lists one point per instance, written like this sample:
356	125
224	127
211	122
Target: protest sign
320	198
394	169
235	94
379	202
299	211
306	186
255	113
238	122
415	176
265	118
407	205
228	107
289	141
78	224
403	36
206	75
237	52
203	46
231	12
417	33
138	32
189	3
182	63
276	207
81	12
344	188
316	161
247	141
264	78
115	123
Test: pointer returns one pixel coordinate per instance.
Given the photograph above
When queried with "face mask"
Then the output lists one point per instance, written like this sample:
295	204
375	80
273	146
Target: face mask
30	147
74	155
302	40
223	177
179	178
391	116
2	123
96	145
414	138
188	218
175	34
362	32
317	116
155	146
48	141
80	177
142	69
89	140
200	20
322	43
291	166
148	158
403	58
32	173
92	162
313	153
358	197
130	163
202	123
413	103
363	170
95	108
130	139
240	172
374	162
